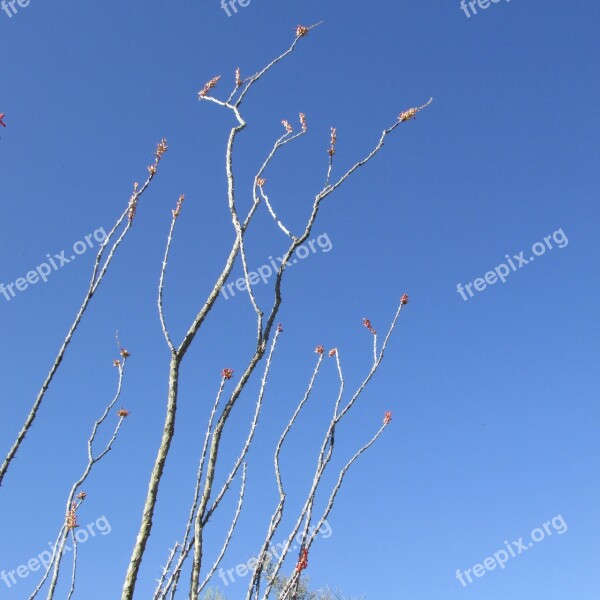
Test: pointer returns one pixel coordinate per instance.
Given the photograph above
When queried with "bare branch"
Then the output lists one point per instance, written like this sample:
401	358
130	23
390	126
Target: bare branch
159	593
74	572
328	189
176	213
98	273
203	515
92	459
185	547
292	584
327	450
252	80
278	513
229	533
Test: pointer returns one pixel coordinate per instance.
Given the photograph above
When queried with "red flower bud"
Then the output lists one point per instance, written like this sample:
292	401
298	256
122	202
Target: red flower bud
368	325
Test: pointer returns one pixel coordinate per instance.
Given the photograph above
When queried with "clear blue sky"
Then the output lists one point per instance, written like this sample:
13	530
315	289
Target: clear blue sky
495	399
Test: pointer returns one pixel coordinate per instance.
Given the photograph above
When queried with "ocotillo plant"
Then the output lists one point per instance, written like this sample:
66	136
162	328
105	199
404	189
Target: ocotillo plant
187	553
203	507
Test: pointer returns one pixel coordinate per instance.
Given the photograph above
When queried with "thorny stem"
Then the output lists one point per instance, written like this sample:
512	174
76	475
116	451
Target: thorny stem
163	269
326	453
203	514
98	274
278	513
292	584
229	533
74	572
59	546
174	579
159	593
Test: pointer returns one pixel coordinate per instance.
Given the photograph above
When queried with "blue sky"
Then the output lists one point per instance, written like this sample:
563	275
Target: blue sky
494	399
